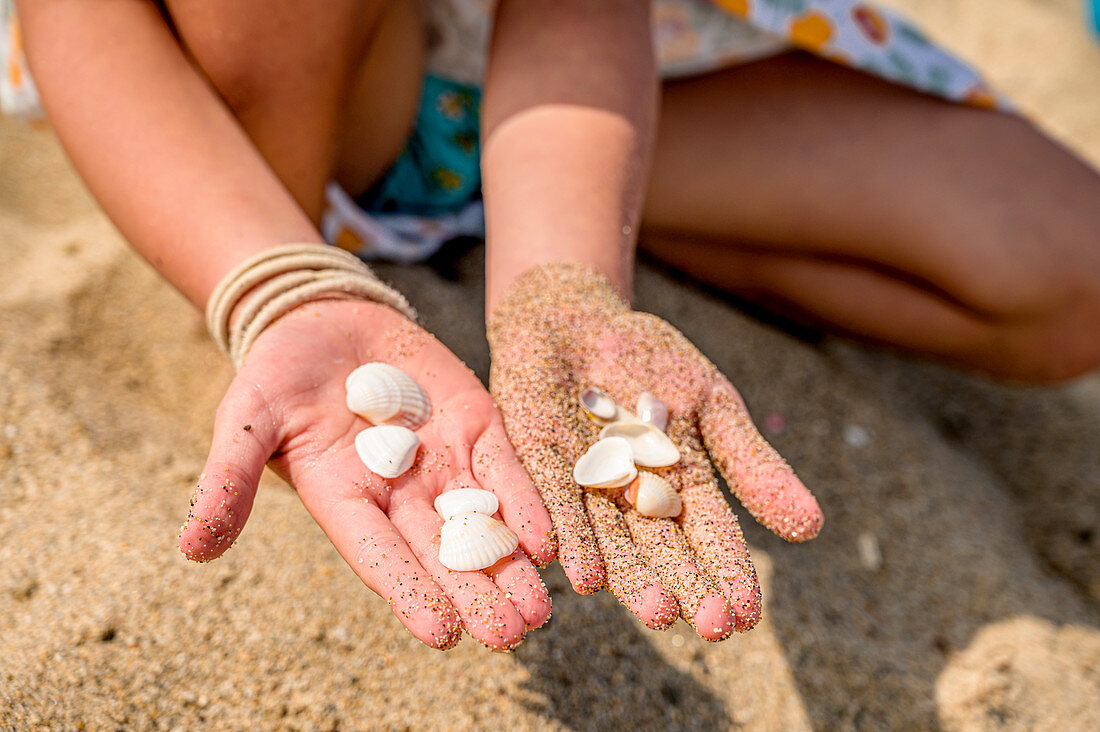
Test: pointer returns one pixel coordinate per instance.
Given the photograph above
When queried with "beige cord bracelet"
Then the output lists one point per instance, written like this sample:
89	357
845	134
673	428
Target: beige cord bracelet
282	278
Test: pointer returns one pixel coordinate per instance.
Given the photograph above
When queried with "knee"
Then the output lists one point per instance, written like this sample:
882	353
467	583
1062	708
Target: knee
250	77
243	83
1060	344
1039	301
291	52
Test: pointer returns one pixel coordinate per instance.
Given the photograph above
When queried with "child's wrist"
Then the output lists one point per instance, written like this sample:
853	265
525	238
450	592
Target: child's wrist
571	285
280	279
613	264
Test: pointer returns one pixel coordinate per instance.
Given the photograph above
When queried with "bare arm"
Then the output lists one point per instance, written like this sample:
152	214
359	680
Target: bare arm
160	151
184	183
569	117
570	108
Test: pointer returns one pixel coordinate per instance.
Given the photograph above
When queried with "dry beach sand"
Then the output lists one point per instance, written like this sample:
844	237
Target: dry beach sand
981	499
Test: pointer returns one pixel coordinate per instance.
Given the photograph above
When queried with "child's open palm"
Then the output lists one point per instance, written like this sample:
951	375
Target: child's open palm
563	327
287	405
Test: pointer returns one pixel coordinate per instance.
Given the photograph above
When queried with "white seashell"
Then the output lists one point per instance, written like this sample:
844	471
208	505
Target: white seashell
599	406
385	394
388	450
470	541
466	500
652	410
607	464
650	446
653	496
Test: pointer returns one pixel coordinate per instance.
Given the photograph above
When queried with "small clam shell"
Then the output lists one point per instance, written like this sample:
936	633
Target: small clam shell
466	500
385	394
652	410
599	406
653	496
650	446
470	541
388	450
607	464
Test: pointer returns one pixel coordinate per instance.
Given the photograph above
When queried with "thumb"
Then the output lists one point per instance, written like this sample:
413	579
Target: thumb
245	436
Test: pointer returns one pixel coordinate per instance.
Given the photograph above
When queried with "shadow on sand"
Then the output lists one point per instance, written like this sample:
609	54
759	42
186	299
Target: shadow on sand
596	669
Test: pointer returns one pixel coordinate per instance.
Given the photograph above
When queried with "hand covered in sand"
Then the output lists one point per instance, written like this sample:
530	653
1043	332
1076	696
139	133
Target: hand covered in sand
562	327
287	404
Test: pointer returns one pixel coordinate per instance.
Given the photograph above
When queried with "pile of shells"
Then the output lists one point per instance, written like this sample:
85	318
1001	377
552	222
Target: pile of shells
397	405
628	442
471	538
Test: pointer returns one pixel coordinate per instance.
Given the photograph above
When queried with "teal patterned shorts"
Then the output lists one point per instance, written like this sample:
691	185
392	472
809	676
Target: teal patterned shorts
440	168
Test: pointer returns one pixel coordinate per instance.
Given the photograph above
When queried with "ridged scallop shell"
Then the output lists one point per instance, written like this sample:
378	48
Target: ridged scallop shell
607	464
466	500
650	446
470	541
385	394
652	410
388	450
599	406
653	496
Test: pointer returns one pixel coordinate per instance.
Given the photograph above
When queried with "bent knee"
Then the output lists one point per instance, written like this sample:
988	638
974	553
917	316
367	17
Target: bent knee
291	52
1062	344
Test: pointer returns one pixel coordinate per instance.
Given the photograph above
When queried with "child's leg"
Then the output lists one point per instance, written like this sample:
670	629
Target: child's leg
305	80
883	213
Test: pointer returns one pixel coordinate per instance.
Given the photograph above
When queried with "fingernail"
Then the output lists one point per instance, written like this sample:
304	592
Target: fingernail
714	619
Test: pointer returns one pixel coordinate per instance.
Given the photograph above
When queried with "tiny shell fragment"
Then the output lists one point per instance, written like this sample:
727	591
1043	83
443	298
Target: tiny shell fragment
652	410
598	405
870	556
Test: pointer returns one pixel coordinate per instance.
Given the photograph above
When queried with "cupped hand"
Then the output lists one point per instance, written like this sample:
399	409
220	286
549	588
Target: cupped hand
287	405
562	327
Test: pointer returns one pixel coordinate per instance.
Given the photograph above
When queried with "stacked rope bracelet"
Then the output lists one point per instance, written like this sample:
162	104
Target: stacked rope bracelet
275	281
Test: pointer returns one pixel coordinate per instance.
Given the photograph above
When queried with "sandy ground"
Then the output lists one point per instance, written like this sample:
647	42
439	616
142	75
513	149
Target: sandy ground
981	498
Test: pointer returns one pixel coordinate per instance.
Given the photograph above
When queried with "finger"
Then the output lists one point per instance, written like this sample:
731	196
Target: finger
497	469
578	551
486	613
629	577
711	528
545	426
370	543
712	531
702	603
757	475
245	436
518	579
